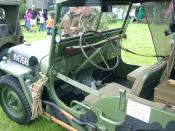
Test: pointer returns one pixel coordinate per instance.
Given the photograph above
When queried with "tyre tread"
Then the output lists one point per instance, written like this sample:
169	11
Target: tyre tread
15	85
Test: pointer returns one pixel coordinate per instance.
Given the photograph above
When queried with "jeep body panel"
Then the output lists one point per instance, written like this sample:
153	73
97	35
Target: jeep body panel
23	51
85	95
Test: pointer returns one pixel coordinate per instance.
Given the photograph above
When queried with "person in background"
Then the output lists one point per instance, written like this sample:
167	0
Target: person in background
45	18
49	24
33	21
88	19
42	21
25	18
70	22
28	18
132	14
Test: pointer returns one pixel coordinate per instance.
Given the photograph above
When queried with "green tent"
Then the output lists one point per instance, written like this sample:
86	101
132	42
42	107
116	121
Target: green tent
141	14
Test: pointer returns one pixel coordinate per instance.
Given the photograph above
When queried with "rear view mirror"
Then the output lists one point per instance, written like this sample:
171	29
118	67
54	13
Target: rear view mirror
106	8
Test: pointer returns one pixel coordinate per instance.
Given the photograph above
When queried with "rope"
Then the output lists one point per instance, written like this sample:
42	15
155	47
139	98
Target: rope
36	90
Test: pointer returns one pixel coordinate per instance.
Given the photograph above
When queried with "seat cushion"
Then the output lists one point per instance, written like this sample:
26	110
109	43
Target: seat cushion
147	79
111	89
135	74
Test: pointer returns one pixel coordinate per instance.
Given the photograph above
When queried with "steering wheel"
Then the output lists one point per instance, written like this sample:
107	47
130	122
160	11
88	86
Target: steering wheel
99	50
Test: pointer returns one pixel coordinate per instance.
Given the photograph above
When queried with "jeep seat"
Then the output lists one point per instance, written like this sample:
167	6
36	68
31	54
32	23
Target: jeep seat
135	74
148	79
143	85
111	89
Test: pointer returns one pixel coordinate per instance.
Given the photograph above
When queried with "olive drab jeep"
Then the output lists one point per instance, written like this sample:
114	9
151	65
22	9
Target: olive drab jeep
79	79
10	30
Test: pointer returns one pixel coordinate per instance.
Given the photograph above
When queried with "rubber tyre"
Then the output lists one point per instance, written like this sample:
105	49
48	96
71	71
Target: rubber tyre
13	100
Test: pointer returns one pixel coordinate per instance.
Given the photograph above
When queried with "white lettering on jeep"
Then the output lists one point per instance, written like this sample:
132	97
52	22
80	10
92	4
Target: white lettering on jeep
20	59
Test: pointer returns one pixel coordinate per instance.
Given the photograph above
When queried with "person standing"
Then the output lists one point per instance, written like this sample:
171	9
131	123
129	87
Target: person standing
28	18
33	21
45	18
25	18
42	21
49	24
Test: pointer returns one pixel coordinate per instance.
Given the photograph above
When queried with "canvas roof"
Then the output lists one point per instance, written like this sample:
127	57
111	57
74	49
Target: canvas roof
105	1
9	2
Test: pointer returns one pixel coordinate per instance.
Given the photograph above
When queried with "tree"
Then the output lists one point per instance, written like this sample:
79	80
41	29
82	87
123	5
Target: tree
22	8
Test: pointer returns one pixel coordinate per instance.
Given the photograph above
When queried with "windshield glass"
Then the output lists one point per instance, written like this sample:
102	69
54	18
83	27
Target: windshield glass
159	16
76	20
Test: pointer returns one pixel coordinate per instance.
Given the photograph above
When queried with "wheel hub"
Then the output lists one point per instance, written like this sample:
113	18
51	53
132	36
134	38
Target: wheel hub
12	101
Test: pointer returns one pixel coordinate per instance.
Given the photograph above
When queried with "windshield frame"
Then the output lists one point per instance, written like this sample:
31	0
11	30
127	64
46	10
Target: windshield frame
55	46
123	25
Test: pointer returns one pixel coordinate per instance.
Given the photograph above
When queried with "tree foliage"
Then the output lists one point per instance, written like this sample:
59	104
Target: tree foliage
22	8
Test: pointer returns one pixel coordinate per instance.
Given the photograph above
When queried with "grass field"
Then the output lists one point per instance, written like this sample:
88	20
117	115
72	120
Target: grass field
139	40
34	36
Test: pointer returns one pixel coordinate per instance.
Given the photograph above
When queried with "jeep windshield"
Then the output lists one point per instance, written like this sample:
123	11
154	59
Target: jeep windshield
159	16
90	30
75	20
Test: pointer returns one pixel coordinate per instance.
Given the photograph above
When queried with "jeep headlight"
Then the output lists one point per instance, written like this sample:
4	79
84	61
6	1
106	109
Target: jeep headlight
33	61
58	38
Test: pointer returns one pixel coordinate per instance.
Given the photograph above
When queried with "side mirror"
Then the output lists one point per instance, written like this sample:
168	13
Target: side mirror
106	8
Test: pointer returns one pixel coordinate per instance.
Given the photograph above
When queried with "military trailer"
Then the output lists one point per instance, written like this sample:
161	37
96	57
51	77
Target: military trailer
81	82
10	31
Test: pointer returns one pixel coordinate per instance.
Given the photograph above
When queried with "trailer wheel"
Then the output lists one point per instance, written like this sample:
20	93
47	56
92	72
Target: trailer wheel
13	100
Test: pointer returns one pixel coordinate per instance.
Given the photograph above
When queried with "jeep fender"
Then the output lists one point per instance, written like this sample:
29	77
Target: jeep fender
19	71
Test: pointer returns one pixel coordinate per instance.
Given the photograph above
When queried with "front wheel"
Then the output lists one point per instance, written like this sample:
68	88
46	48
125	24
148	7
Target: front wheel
13	100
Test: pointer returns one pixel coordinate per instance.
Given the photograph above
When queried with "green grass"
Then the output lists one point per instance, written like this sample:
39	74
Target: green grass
33	36
139	40
40	124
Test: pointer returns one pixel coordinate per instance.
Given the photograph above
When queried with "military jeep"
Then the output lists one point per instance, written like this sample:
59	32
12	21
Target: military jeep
80	81
10	30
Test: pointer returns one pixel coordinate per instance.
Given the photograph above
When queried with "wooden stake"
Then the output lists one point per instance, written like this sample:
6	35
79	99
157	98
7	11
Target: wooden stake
68	127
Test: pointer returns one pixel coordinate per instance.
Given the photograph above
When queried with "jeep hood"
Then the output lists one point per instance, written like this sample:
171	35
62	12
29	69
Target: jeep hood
30	54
